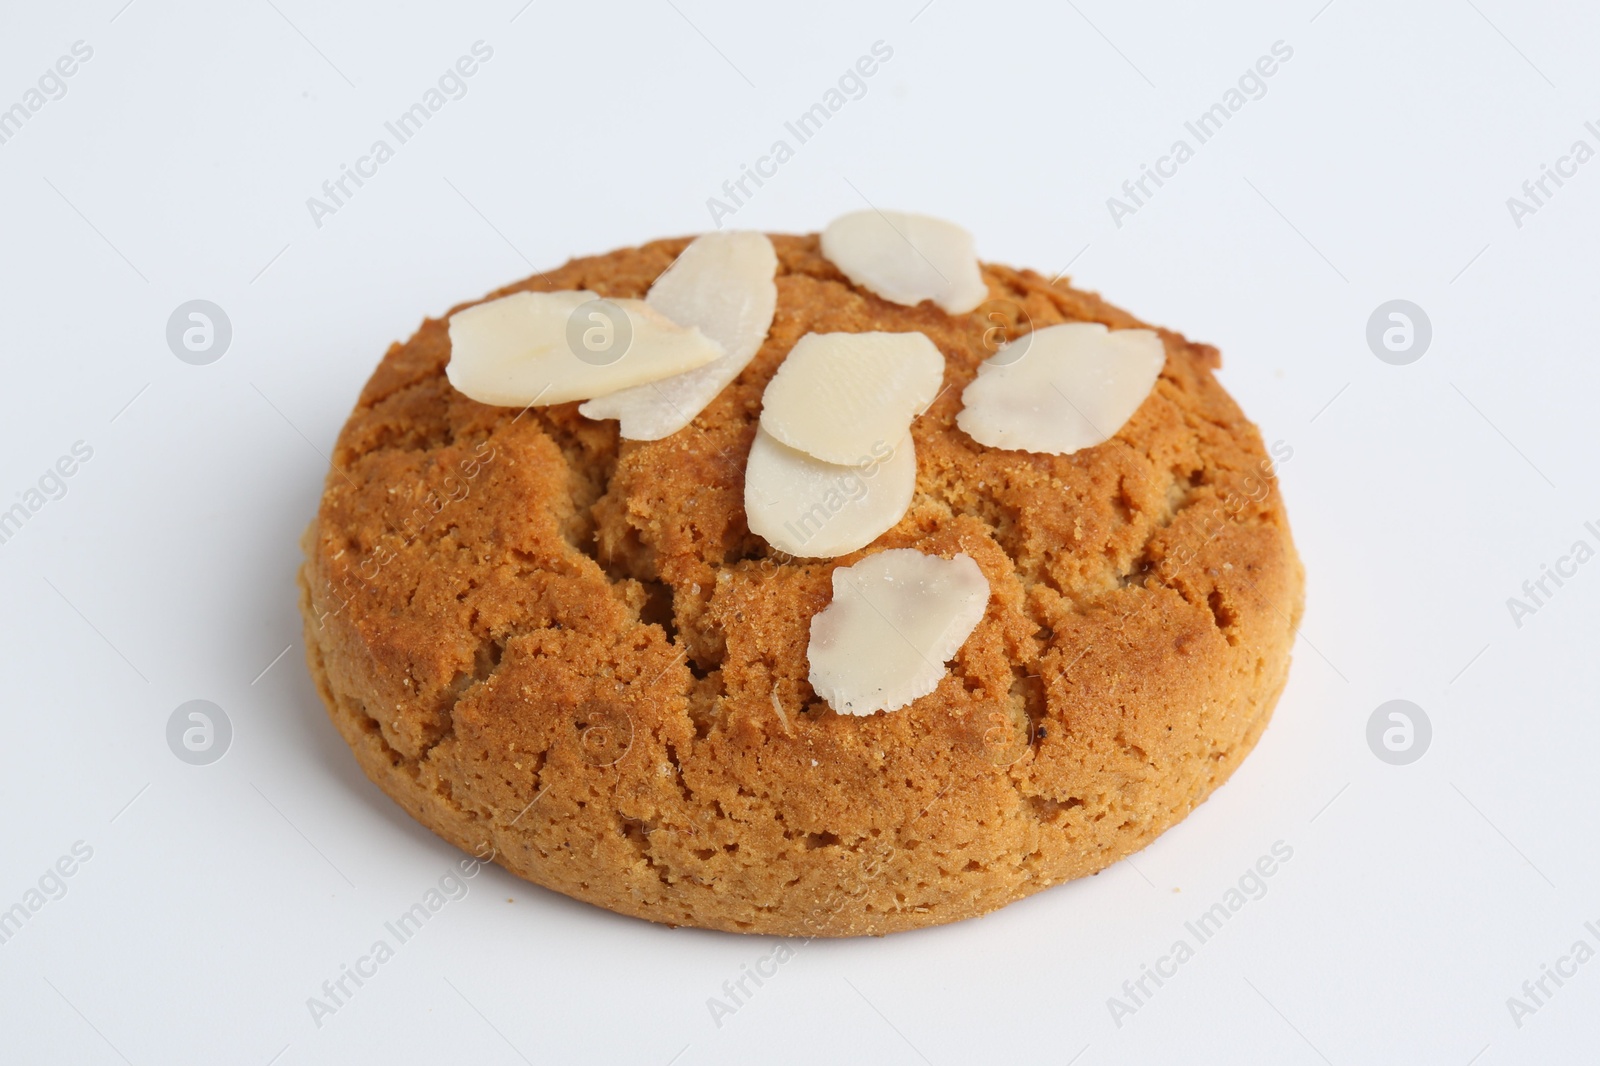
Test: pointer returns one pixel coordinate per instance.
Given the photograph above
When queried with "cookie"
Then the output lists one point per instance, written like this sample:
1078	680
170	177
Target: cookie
568	650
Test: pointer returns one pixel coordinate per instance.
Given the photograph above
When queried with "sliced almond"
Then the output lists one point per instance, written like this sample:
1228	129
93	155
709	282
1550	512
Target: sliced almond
837	395
896	618
817	510
723	284
553	347
1072	386
907	258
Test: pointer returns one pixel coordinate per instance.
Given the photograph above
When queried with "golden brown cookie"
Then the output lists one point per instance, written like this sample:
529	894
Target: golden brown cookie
567	648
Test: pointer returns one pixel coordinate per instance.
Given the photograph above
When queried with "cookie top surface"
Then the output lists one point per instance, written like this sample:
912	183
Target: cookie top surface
545	606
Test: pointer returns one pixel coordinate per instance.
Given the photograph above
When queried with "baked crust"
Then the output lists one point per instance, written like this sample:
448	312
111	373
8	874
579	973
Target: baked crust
541	640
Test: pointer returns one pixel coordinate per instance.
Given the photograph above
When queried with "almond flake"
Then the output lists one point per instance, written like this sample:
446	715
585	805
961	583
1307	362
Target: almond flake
896	618
553	347
839	394
817	510
1062	388
907	258
723	284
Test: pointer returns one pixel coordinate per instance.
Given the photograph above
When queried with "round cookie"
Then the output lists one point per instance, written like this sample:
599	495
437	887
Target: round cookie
568	651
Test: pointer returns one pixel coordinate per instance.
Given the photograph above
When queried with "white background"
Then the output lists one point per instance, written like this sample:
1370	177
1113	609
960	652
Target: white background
1377	166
